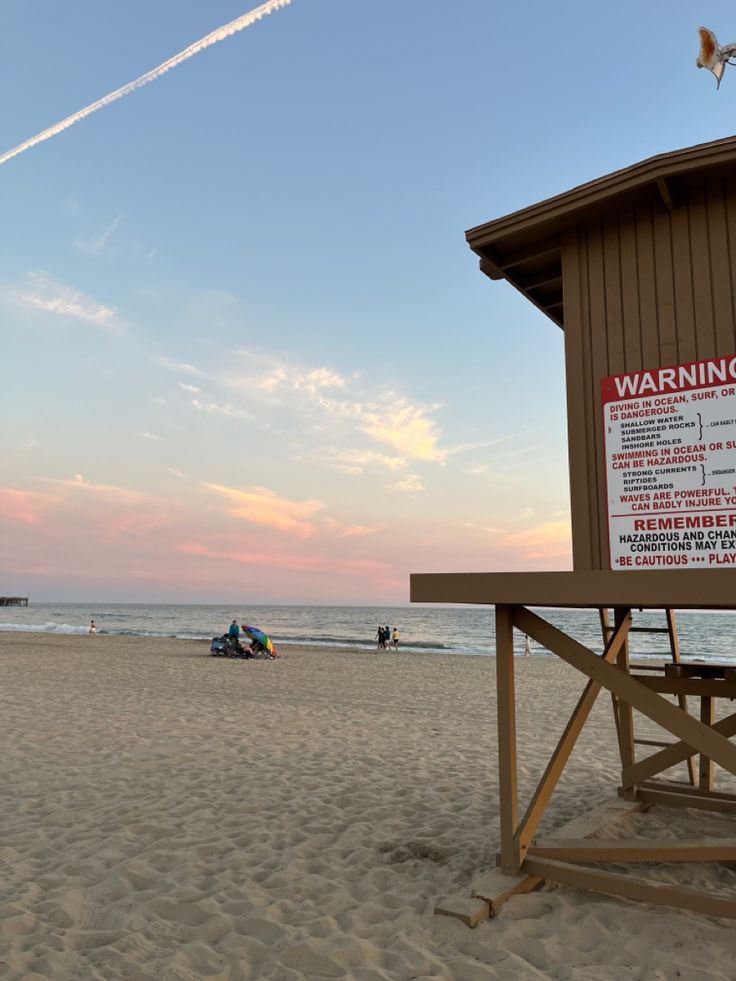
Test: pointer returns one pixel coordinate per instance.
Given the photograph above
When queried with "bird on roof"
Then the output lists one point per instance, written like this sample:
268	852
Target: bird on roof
712	56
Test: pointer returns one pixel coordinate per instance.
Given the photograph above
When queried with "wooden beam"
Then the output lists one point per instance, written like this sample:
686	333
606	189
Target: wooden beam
678	752
607	629
700	737
531	253
685	788
489	267
704	589
496	887
706	768
625	713
595	850
652	742
631	887
682	698
566	743
536	284
465	908
700	802
506	717
665	194
713	687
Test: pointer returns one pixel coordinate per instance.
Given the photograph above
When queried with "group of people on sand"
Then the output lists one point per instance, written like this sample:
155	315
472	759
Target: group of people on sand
254	649
386	638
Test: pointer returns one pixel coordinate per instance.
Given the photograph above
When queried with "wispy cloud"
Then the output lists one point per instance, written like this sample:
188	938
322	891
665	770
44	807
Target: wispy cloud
153	436
402	425
96	246
181	367
264	507
190	388
239	24
292	379
353	461
360	531
341	401
45	293
411	484
215	409
478	445
79	484
488	529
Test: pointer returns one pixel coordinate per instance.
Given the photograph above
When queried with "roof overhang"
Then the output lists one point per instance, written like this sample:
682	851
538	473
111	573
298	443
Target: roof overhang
525	247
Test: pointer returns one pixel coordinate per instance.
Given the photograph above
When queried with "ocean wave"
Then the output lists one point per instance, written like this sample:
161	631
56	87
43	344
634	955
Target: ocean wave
45	628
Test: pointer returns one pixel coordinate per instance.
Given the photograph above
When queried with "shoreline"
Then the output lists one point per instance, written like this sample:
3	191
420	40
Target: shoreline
168	814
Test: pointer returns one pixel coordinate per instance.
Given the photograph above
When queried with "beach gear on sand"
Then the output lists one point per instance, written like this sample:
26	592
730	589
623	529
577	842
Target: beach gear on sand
221	646
227	646
261	641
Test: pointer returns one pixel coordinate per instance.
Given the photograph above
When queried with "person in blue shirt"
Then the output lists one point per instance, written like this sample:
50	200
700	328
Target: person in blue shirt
234	632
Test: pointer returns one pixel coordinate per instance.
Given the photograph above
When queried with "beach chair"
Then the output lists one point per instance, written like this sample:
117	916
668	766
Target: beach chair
221	647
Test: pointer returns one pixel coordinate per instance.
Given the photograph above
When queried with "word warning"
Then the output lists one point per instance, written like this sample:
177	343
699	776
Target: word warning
670	444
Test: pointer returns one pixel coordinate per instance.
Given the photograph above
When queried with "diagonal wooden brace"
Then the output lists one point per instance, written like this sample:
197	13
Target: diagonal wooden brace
701	738
674	754
566	744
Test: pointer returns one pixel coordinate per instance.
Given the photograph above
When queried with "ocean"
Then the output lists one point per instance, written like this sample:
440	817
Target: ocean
462	630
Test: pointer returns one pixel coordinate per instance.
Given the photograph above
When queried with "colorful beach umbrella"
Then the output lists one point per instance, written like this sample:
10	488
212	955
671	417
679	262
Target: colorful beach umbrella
255	634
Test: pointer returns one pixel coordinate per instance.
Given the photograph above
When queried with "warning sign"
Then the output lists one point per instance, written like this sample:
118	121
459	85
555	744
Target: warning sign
670	444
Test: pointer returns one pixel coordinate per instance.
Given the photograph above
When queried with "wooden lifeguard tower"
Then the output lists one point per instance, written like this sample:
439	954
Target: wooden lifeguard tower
639	270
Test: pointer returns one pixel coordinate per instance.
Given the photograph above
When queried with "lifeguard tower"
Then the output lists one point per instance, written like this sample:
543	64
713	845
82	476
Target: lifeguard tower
638	269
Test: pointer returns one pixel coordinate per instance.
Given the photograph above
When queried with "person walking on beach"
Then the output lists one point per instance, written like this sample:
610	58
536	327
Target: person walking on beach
92	628
380	639
395	639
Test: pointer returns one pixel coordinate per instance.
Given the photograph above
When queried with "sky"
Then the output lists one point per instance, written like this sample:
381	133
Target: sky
246	354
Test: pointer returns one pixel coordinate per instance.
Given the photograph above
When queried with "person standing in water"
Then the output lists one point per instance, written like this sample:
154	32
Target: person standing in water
92	628
395	639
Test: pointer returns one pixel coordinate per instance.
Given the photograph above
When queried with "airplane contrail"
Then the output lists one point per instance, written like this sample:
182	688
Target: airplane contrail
227	30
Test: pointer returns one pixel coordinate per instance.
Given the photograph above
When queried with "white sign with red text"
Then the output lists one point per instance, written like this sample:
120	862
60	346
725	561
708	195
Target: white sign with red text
670	444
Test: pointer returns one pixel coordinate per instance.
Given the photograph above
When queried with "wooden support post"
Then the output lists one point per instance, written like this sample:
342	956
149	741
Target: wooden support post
681	699
625	715
707	716
507	778
607	629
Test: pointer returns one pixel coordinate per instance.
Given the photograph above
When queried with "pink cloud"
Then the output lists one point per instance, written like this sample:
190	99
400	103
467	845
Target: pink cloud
262	506
26	507
551	539
287	560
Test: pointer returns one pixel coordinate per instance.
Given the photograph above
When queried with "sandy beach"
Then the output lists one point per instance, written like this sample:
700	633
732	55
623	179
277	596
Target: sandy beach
167	815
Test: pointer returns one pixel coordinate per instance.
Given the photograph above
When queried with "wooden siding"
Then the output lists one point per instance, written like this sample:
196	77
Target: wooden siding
644	287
